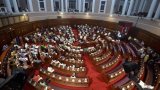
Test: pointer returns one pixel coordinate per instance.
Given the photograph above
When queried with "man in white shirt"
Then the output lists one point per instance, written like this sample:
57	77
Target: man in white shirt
50	69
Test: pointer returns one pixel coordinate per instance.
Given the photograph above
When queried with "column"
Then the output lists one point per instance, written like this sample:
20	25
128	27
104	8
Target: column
135	6
151	10
76	4
8	5
62	8
130	7
157	14
93	6
112	7
79	5
66	2
52	5
45	5
30	6
15	6
141	6
84	5
124	7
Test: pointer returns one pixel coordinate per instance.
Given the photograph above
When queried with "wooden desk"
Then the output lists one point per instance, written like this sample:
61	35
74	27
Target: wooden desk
3	66
38	86
69	81
80	73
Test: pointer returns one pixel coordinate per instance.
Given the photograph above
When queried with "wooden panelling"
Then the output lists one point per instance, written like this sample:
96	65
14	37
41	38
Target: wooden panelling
1	23
11	20
4	21
149	39
16	19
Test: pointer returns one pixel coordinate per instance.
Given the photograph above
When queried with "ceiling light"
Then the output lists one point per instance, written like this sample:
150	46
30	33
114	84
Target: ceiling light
87	13
24	14
61	13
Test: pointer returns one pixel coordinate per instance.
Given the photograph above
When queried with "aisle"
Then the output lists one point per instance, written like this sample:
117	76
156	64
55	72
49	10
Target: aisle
94	75
75	31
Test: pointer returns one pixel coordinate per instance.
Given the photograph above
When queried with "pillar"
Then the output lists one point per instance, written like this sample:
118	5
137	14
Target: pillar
130	7
62	8
79	5
52	5
66	2
84	5
124	7
15	6
93	6
141	6
8	5
112	7
152	7
30	5
135	6
157	14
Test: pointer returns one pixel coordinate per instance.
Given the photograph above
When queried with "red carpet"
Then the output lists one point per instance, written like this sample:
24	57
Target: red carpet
94	75
96	78
75	31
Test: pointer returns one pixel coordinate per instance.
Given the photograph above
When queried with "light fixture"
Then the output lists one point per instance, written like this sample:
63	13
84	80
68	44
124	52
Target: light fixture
87	13
123	88
111	15
24	14
132	83
135	39
61	13
128	86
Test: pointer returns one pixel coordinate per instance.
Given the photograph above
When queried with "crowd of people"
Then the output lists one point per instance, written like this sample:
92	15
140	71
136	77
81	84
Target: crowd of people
52	48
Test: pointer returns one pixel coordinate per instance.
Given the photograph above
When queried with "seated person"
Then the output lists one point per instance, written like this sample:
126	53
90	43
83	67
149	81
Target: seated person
23	59
26	45
27	39
50	69
132	70
73	75
42	82
37	78
47	81
4	47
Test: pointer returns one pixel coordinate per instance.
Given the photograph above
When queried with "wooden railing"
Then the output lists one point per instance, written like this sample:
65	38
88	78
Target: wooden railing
12	19
64	80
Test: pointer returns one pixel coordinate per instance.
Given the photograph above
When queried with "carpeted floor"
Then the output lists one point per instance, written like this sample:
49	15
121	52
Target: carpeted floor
97	80
75	31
